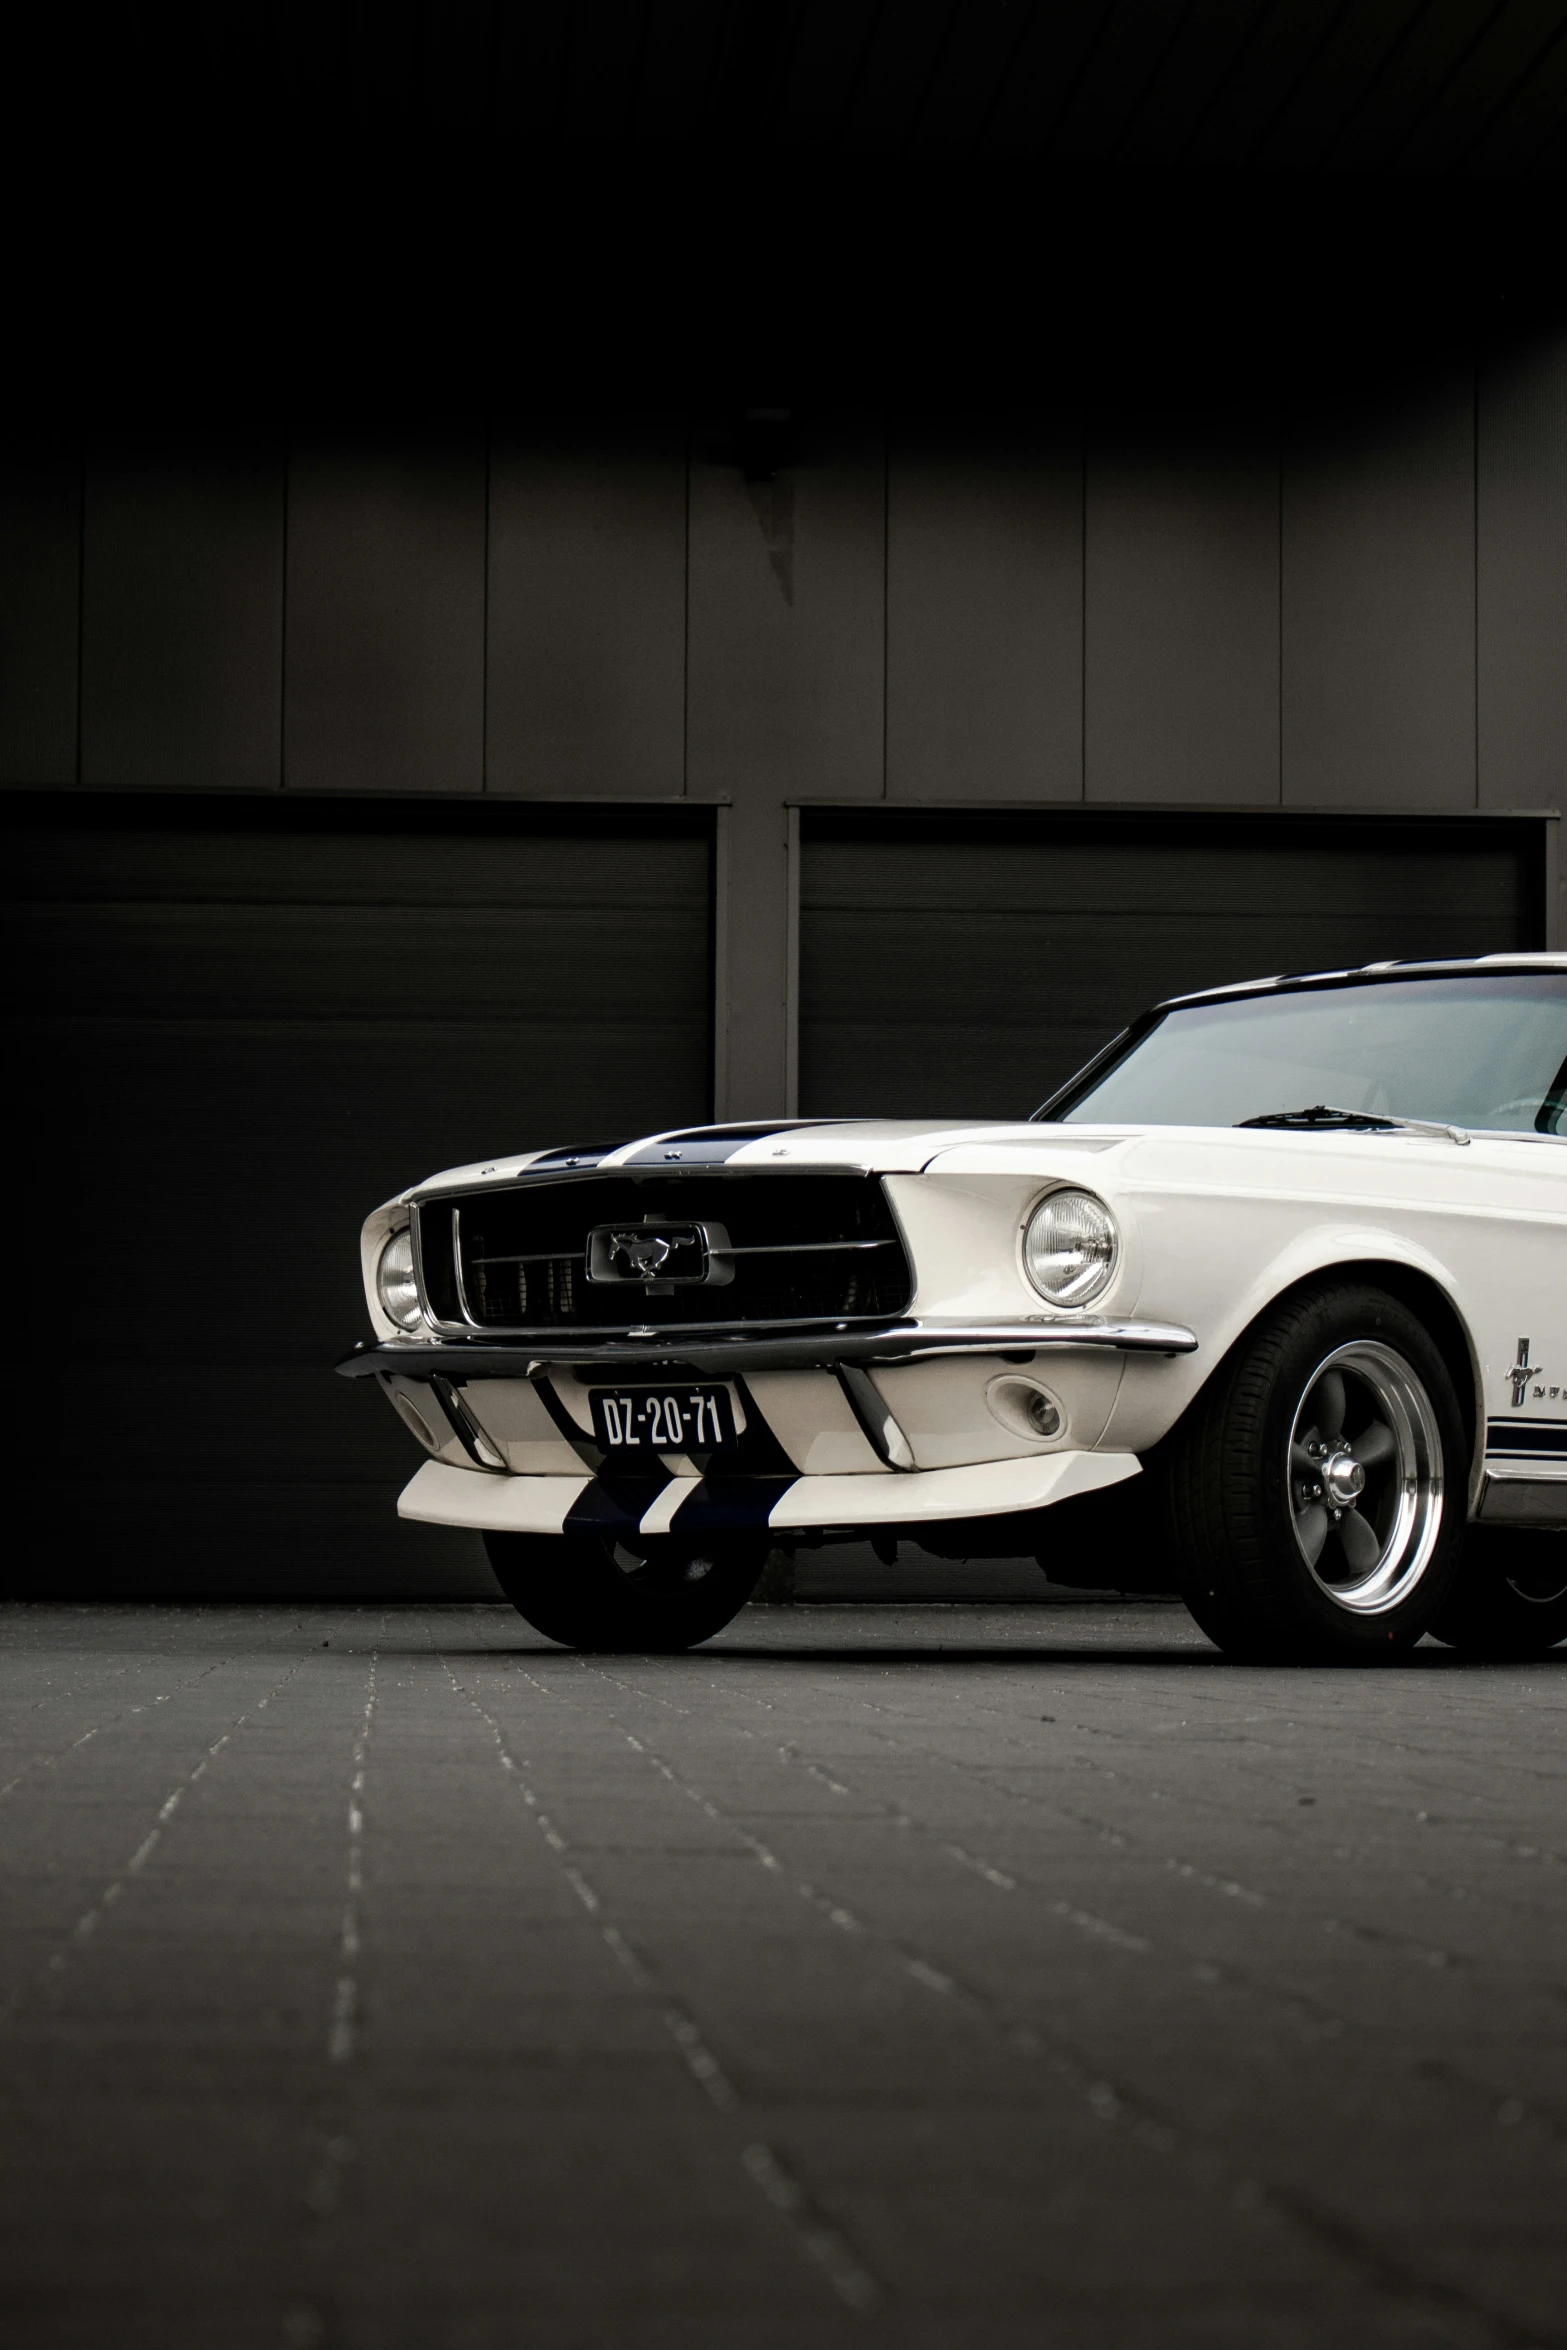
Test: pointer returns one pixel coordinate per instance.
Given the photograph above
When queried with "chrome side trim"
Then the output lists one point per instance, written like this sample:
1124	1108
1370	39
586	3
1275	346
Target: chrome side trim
712	1353
418	1249
482	1453
808	1248
881	1429
462	1289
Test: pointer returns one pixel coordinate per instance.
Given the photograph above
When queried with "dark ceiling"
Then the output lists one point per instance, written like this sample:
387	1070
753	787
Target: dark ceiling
1277	86
283	198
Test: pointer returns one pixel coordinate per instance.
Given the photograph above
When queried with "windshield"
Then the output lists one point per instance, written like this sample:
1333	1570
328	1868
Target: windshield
1481	1052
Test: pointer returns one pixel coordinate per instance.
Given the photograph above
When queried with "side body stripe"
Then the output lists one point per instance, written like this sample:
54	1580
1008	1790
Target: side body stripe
1526	1440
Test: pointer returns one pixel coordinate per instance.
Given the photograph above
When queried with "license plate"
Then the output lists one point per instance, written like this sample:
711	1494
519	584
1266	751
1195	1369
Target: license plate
661	1419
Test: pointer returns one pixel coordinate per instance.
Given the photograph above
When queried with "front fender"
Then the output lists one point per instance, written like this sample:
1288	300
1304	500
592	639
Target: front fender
1153	1398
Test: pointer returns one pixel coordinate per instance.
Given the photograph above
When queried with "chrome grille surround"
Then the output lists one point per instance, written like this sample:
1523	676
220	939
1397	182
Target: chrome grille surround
782	1250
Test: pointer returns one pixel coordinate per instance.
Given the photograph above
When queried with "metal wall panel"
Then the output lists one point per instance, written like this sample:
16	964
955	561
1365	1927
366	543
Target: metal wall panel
1181	609
985	611
242	1023
785	675
965	967
182	619
1379	597
787	622
587	588
40	577
384	651
1522	577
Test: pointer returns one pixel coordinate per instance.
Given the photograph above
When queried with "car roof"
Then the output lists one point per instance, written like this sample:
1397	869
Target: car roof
1452	967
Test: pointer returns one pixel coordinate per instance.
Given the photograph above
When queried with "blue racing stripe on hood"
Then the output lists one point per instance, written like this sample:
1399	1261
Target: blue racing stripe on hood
711	1146
580	1154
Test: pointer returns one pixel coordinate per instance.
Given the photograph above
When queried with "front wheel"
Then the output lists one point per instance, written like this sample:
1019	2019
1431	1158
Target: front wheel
1510	1596
592	1591
1316	1494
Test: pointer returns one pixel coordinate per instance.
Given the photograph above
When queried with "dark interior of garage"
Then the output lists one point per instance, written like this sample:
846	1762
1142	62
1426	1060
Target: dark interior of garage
575	570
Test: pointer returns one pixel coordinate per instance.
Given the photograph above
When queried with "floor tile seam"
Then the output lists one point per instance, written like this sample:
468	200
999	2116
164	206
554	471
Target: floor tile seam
58	1696
86	1926
1112	2103
645	1696
1148	1791
1013	1722
1109	2102
1016	1877
1369	1856
1444	2300
341	2031
901	1821
818	2236
1374	1855
1352	1730
1020	1880
332	2133
1376	1936
1029	1798
48	1761
839	1914
1023	1796
1302	2007
1500	1760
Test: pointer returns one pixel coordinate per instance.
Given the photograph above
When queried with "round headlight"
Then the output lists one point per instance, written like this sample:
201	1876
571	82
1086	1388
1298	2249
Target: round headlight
395	1285
1069	1247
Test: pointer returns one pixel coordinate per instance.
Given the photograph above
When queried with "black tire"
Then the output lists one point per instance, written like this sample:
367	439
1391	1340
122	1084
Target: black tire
1510	1595
590	1591
1238	1483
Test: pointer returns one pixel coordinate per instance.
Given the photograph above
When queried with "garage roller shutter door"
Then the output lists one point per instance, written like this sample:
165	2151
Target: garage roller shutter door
234	1027
967	967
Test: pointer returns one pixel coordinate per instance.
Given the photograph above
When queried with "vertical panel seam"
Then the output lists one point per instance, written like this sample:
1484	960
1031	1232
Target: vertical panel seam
1278	458
719	960
685	626
81	592
484	609
282	683
1474	548
793	821
1082	609
886	592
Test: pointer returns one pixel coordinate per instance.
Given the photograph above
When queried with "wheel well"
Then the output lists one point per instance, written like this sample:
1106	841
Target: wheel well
1423	1297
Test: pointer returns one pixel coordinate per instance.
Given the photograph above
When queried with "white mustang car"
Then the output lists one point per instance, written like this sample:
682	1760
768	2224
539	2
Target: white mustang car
1269	1306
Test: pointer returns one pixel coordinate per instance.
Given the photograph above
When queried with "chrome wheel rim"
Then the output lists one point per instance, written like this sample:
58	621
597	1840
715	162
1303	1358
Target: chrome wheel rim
1365	1478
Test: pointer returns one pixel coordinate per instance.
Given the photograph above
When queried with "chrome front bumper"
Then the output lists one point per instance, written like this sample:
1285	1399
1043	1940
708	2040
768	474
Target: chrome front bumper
711	1357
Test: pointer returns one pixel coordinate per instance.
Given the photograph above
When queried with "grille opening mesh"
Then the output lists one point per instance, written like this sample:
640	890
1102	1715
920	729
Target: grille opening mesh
524	1252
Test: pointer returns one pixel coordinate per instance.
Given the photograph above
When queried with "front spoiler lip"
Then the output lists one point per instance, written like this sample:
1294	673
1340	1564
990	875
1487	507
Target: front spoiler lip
479	1358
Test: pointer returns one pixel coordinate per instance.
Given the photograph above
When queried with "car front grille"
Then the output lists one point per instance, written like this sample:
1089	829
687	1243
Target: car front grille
800	1248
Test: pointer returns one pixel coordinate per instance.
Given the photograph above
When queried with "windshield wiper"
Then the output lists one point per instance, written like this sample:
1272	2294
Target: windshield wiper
1324	1115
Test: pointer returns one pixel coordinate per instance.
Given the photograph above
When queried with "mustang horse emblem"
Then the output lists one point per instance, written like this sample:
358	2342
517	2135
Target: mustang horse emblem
1521	1373
646	1254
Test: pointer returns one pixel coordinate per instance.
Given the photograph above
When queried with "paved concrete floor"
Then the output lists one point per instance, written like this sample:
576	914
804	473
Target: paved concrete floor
391	1980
